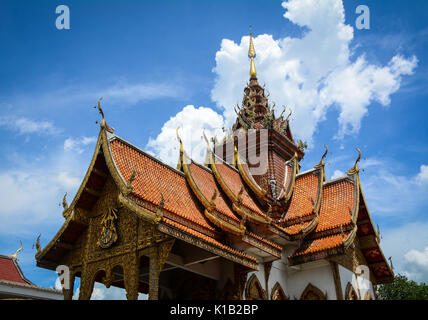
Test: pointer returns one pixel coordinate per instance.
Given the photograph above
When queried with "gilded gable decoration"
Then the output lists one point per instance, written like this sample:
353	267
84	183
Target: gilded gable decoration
108	232
312	293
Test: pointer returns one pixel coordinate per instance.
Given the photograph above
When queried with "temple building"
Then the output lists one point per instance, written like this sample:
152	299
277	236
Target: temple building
15	286
246	224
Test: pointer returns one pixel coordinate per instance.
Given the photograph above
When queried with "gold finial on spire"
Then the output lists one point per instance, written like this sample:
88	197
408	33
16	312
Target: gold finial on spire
252	55
15	256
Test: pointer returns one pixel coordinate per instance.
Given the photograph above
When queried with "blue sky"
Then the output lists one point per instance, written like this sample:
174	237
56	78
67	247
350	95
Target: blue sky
162	64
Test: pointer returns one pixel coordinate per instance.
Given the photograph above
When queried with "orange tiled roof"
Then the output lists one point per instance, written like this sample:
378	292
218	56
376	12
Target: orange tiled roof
233	179
305	190
320	244
337	204
206	238
337	200
147	185
205	181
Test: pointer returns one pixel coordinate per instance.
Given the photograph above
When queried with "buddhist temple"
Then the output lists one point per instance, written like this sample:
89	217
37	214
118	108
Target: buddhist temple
246	224
15	286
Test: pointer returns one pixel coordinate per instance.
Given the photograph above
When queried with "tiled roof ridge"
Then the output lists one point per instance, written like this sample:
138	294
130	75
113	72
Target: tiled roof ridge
225	163
145	153
220	245
330	231
202	166
17	284
303	173
260	238
195	224
348	178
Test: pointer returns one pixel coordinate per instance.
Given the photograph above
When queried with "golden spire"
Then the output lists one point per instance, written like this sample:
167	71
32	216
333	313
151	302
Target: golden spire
252	55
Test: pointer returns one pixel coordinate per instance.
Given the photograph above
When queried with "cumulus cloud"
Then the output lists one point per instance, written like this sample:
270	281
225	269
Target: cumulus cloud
337	174
399	194
191	122
417	264
396	242
422	176
310	75
310	83
133	93
77	145
100	292
24	125
31	191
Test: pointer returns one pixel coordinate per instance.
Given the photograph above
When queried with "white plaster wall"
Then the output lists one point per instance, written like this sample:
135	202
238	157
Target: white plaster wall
294	280
318	273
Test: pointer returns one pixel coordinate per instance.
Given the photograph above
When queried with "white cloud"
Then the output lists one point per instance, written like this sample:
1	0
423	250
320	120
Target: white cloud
422	176
191	121
309	74
397	241
417	264
100	292
391	194
67	181
134	93
31	191
418	257
337	174
77	145
24	125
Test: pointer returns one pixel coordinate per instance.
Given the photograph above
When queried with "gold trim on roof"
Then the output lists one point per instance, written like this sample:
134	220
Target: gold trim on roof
285	195
208	204
260	192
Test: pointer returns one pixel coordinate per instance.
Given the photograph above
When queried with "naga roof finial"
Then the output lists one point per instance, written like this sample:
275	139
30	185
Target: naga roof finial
38	246
355	168
322	163
15	256
100	110
103	123
64	202
289	115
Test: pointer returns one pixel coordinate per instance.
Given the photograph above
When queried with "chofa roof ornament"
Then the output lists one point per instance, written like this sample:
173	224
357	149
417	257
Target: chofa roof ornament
103	123
355	169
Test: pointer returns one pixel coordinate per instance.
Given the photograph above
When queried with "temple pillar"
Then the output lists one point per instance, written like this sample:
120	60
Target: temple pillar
154	273
86	285
158	255
131	278
68	293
